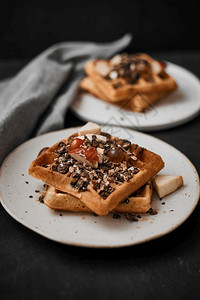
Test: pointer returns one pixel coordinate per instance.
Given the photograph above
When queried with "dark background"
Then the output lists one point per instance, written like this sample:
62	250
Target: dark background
32	267
29	27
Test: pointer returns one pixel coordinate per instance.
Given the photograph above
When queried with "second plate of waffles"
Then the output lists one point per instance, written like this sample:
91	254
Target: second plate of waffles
137	91
59	211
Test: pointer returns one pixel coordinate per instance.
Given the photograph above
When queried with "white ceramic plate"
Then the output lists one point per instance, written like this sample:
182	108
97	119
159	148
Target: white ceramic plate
177	108
19	198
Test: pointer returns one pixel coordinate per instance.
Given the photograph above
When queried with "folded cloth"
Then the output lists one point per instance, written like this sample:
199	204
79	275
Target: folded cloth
36	100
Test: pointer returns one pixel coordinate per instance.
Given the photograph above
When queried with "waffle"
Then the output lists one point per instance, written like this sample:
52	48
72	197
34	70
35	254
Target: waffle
114	80
137	103
103	186
139	202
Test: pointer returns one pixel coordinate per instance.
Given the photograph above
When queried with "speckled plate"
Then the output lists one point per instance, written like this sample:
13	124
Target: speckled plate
19	196
173	110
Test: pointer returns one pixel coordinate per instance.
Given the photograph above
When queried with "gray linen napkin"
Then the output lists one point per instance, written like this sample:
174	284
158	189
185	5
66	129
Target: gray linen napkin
37	98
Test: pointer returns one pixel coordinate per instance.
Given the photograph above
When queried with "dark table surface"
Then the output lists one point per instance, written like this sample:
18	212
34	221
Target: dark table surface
33	267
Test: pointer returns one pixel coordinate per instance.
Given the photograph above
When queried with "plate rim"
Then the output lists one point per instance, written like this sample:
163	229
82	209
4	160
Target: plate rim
81	244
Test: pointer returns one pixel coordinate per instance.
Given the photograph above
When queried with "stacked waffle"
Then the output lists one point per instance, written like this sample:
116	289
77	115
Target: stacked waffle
95	172
133	82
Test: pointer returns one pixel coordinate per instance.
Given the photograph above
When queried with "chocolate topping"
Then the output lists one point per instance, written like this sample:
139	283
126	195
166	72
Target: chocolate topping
130	68
106	175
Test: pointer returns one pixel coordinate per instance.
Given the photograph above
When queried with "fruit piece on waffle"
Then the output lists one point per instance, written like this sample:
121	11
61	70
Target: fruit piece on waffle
138	202
138	78
98	169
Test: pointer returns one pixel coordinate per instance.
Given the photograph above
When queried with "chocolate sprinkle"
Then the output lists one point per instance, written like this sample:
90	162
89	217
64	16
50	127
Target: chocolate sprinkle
41	198
126	201
105	175
151	211
131	217
116	216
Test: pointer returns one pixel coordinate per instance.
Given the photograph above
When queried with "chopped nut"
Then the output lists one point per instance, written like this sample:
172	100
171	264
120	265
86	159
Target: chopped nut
106	171
113	74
